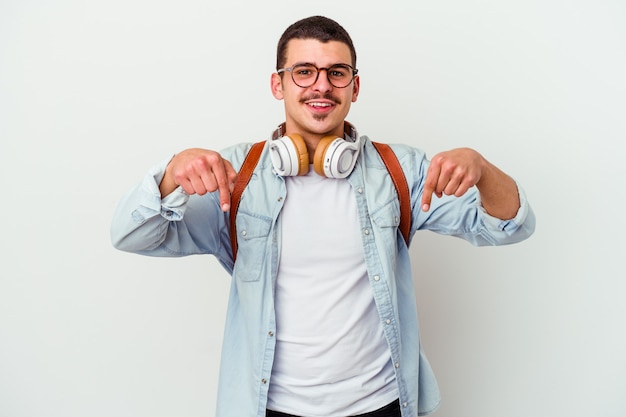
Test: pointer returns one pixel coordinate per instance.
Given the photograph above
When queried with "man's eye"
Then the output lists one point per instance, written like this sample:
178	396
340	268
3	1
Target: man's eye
338	73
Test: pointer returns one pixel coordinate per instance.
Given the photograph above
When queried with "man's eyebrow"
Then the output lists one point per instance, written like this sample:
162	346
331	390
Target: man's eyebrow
317	66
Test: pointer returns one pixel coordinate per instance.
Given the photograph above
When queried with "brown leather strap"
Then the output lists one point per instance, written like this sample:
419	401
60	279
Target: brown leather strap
402	188
247	168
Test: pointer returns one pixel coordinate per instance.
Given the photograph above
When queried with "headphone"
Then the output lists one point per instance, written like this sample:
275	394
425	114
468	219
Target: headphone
334	157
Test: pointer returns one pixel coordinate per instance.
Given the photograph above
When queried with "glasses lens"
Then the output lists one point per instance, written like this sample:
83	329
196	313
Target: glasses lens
339	75
304	75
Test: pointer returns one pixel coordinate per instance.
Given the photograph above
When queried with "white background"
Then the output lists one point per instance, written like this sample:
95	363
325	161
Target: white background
94	93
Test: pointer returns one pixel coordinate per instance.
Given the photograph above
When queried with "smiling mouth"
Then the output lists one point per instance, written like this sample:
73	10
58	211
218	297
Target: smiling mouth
320	102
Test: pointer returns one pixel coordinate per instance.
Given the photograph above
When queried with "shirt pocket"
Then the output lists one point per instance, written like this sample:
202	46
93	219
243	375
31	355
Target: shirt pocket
386	220
252	242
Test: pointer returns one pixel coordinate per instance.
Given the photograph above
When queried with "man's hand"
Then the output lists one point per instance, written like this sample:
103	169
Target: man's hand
456	171
452	173
200	171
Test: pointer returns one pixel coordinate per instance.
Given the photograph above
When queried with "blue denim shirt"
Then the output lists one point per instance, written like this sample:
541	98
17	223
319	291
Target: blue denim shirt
180	225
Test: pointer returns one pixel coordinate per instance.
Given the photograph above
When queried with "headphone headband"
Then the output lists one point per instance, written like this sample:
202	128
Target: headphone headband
348	129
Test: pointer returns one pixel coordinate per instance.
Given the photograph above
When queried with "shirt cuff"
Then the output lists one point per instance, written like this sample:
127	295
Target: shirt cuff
174	204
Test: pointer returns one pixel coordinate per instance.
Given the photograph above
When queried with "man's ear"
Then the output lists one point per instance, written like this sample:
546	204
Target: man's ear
276	84
355	88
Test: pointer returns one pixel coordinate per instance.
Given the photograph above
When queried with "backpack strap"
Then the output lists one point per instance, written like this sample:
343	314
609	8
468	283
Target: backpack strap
386	153
402	188
243	178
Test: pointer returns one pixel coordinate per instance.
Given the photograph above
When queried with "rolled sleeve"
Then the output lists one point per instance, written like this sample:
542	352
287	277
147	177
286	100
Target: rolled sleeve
509	226
172	206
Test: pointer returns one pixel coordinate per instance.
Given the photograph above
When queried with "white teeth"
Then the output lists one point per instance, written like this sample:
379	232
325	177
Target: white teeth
320	104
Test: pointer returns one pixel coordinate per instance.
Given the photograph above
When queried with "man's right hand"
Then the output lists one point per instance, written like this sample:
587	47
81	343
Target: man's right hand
200	171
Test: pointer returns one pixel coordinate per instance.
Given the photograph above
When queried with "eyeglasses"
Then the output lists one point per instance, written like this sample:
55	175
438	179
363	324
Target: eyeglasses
305	75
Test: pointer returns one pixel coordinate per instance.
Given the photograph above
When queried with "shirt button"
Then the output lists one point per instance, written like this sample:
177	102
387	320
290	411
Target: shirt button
244	233
397	365
270	333
397	219
264	381
280	199
367	231
404	404
376	278
388	321
360	190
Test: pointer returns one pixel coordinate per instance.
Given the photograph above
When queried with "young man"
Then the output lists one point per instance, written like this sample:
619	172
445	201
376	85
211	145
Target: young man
322	318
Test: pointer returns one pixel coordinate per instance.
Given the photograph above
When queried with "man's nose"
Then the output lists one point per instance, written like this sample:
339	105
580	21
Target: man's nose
322	83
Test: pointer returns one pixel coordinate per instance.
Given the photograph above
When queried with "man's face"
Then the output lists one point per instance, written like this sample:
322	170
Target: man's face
320	109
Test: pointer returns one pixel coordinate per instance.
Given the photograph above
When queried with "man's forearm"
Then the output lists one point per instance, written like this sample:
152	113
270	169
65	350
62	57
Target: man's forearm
498	193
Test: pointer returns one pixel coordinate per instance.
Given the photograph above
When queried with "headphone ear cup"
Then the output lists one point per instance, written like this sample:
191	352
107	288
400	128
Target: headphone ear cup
302	153
335	157
320	154
289	155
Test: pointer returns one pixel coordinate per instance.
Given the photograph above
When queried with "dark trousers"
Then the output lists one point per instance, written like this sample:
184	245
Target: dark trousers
390	410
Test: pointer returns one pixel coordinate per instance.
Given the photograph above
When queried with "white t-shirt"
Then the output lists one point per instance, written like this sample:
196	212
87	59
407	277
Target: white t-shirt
331	355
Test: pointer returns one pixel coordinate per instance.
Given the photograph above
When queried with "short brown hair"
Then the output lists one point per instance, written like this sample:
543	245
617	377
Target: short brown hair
319	28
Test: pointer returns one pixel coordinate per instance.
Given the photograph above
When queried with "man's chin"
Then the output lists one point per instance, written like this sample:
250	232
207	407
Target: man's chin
320	117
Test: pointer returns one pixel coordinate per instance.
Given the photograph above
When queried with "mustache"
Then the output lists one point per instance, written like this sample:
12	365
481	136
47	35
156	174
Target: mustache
327	96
